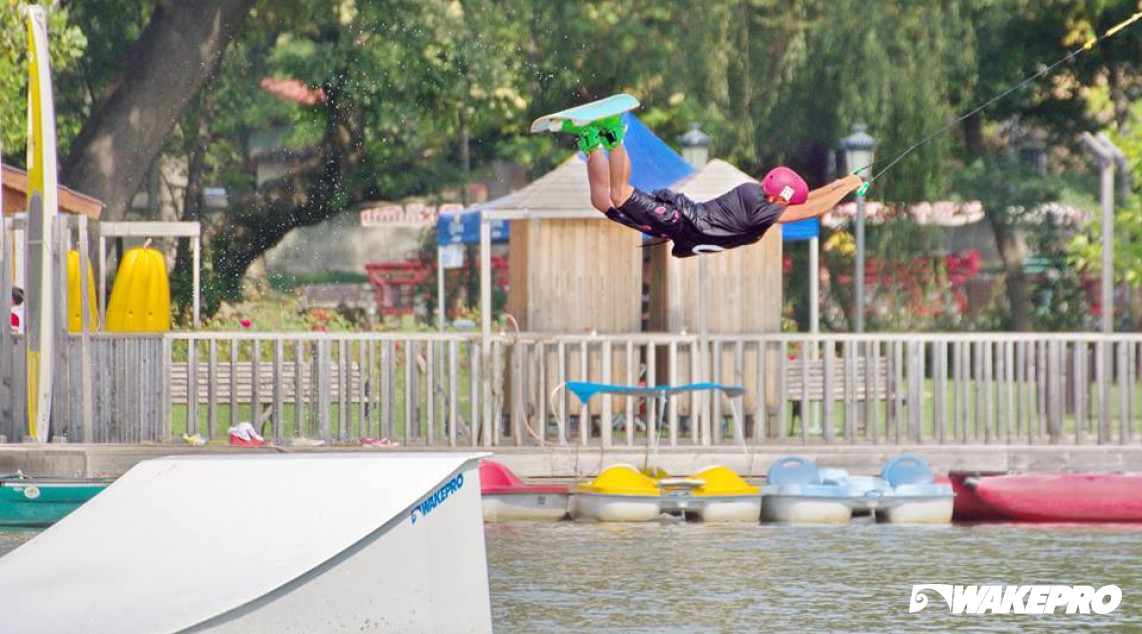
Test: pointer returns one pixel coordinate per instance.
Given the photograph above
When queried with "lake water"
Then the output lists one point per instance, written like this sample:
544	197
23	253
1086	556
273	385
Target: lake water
679	577
676	577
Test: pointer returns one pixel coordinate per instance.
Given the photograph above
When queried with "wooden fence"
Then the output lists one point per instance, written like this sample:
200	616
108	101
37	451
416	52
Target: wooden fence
447	390
126	382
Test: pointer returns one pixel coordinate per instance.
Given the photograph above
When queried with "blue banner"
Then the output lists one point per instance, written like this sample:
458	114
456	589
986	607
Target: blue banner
463	227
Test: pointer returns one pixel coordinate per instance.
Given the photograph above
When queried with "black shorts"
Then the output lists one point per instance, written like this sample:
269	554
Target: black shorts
662	214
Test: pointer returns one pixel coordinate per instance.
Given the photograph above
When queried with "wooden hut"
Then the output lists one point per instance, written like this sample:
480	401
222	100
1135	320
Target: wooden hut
571	269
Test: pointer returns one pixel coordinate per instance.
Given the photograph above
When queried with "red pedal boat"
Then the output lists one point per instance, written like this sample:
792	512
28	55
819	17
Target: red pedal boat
506	497
1059	497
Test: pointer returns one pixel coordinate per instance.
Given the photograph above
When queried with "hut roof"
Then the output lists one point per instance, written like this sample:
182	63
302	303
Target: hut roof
563	189
565	192
713	180
70	201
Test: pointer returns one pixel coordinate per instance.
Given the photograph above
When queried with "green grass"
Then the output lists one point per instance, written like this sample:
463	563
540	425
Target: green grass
885	430
357	424
976	418
400	430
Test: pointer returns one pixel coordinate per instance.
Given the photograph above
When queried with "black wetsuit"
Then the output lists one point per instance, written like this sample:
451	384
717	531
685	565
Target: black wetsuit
738	217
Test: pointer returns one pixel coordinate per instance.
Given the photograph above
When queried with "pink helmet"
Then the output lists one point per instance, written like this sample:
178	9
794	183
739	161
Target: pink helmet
786	184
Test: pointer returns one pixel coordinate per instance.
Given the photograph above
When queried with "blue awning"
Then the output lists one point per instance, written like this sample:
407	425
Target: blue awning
654	164
801	230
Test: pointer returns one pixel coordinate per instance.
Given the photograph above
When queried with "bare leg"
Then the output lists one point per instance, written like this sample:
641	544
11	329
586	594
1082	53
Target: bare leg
598	174
620	176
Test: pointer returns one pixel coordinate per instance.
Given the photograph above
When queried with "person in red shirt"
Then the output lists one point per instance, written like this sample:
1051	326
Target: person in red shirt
17	317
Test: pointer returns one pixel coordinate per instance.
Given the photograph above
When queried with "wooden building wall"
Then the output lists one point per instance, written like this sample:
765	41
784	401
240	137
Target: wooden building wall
745	289
573	276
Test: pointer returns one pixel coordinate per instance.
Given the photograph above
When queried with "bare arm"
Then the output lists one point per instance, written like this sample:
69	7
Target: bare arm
821	200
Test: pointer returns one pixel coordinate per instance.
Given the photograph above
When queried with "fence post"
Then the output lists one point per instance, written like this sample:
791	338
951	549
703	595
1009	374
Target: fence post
235	351
849	390
1056	384
453	390
256	386
738	402
411	412
299	399
430	390
940	391
61	390
518	403
324	397
607	417
872	409
8	413
760	424
1124	388
279	390
826	396
164	381
85	368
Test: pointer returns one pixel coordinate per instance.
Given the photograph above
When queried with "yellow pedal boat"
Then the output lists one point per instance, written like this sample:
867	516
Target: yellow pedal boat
622	493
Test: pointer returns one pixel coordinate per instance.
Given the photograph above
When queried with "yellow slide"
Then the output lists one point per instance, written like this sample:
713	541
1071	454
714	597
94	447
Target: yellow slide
141	297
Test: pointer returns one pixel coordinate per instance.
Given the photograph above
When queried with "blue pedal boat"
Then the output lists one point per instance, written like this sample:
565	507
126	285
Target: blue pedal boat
905	492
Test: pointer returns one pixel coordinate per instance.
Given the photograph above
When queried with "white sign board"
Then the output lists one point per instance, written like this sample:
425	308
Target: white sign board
451	256
410	215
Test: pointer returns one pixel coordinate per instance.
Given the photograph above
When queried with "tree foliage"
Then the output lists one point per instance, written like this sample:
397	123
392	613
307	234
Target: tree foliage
67	44
419	94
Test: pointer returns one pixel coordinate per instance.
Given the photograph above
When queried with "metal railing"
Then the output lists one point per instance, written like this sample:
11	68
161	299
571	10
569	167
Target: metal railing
448	390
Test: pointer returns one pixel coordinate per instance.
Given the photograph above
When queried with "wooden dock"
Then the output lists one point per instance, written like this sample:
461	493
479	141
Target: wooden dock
114	460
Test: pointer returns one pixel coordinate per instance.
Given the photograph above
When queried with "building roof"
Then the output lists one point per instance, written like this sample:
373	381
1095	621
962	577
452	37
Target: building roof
713	180
719	177
70	201
944	213
563	189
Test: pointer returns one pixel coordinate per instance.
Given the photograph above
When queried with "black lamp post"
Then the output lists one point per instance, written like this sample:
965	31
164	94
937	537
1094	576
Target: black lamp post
859	148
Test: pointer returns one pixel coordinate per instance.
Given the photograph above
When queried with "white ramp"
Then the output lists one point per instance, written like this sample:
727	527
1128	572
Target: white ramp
332	542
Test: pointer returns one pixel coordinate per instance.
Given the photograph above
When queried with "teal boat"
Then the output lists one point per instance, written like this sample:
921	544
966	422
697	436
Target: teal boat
29	501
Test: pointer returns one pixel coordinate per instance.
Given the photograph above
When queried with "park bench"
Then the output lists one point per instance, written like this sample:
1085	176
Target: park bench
244	382
795	384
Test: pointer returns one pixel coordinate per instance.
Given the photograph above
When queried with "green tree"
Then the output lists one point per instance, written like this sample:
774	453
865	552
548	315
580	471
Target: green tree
67	44
125	130
1013	197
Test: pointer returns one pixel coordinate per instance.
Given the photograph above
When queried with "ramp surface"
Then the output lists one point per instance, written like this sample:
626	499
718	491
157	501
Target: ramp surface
209	541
